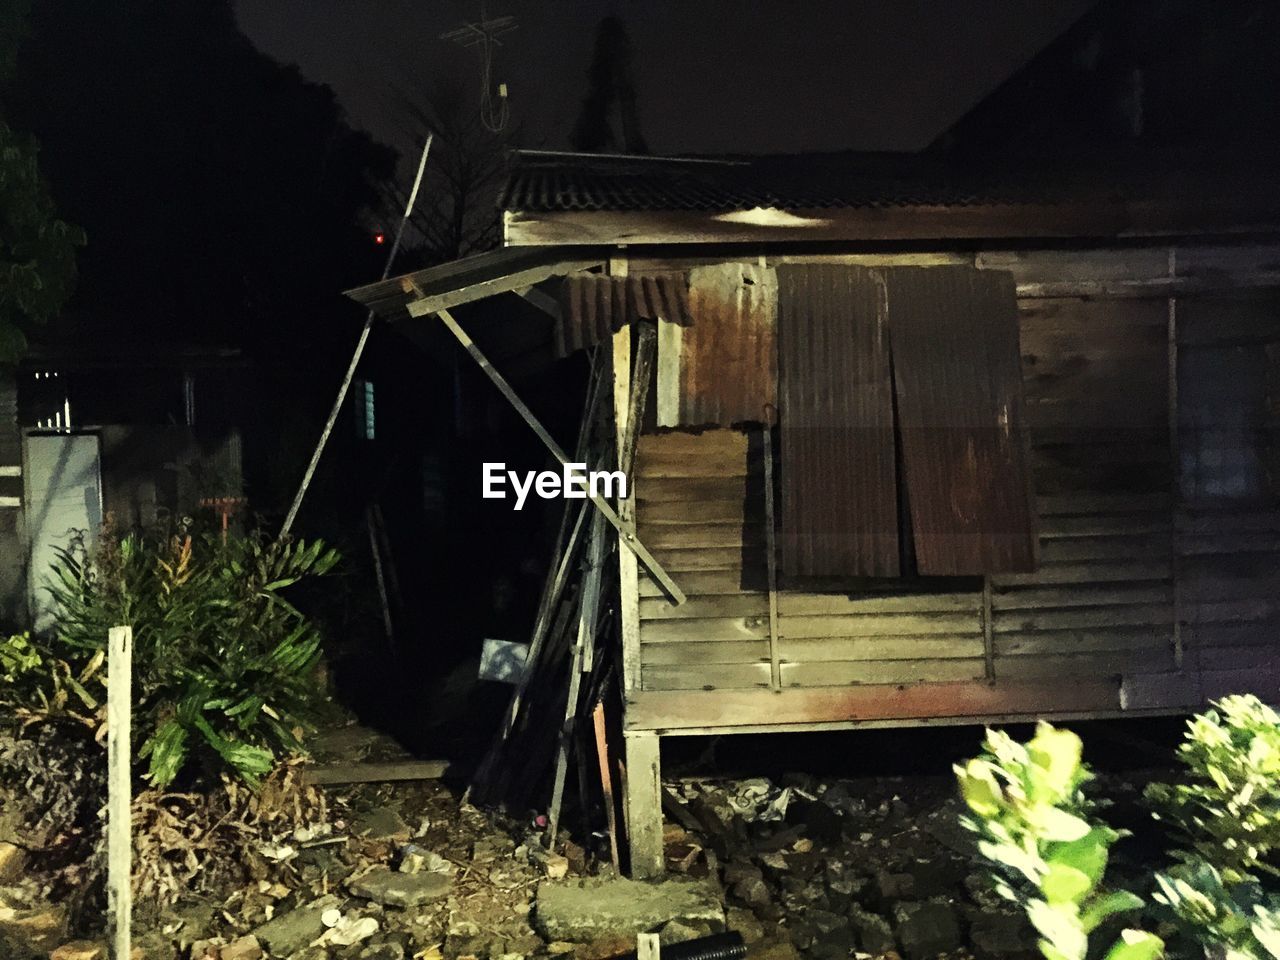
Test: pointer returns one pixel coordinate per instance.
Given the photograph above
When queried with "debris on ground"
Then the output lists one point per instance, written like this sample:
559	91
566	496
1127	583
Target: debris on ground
802	869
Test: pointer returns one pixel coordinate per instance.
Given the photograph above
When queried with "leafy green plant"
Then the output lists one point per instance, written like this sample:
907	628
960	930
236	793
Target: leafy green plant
1227	812
1033	827
1236	921
35	685
222	661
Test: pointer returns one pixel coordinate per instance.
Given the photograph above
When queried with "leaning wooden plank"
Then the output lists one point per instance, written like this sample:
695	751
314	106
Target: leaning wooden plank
335	773
624	536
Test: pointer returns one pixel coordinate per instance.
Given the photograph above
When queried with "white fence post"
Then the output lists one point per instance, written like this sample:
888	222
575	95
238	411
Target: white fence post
119	790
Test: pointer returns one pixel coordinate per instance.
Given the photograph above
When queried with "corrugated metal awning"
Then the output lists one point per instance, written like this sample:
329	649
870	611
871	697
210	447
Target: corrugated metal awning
593	306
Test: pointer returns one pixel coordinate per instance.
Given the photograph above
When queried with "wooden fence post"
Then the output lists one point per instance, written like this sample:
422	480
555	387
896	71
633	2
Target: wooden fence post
119	790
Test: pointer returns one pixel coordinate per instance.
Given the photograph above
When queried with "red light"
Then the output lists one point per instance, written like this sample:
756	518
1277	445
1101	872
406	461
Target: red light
379	237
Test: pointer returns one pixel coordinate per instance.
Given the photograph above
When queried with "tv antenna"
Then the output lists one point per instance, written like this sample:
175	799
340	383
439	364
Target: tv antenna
484	34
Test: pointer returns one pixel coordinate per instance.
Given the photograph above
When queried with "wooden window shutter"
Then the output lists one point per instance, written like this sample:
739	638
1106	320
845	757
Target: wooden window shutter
958	383
838	472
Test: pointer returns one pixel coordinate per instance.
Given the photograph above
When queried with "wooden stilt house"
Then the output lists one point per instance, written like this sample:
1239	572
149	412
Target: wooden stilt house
920	448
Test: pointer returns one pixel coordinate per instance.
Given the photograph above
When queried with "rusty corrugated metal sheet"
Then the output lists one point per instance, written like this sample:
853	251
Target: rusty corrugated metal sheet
838	471
958	381
722	367
593	306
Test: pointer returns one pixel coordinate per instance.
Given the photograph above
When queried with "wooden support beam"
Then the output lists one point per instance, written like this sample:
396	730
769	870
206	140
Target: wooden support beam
542	300
119	791
429	303
771	559
628	538
339	773
644	805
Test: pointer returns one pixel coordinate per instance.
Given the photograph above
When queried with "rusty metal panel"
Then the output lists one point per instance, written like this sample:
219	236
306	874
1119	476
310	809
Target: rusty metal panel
958	382
838	471
593	306
721	368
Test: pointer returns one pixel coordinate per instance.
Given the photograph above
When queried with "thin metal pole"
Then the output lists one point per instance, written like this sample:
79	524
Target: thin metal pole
359	351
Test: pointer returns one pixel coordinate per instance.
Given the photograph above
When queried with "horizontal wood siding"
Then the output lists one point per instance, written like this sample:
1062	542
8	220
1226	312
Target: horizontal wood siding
1137	604
702	515
1101	603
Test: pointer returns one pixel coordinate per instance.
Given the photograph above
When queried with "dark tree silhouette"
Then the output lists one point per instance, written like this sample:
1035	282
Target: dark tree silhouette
37	250
456	212
609	86
222	195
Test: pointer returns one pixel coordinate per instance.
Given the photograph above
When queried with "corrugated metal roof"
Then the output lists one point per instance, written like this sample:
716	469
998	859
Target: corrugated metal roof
593	306
1193	184
838	470
958	381
722	368
541	182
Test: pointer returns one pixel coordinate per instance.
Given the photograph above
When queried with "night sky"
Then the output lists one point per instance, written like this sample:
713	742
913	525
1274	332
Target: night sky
709	77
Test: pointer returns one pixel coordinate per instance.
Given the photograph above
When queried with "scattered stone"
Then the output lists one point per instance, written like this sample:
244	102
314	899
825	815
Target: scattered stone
290	932
774	950
894	887
745	922
42	929
678	931
394	889
752	891
246	948
1002	935
558	948
207	948
13	860
79	950
927	929
875	933
381	824
603	907
552	865
387	950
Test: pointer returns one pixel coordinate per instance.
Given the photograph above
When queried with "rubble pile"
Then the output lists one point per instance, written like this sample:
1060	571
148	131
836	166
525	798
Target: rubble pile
801	868
846	867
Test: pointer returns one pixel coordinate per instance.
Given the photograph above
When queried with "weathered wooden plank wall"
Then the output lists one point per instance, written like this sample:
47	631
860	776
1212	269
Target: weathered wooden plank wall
1133	581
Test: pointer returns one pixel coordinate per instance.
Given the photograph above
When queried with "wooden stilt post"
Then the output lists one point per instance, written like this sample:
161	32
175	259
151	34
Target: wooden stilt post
119	790
644	805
